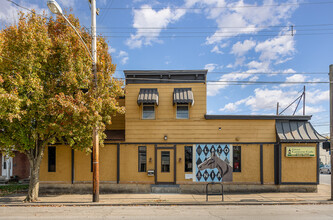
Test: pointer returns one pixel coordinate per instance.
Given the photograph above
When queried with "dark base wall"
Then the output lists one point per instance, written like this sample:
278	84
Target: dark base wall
186	189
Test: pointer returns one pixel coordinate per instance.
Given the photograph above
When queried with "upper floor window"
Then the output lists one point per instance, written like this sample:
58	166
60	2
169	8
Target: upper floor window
148	112
182	112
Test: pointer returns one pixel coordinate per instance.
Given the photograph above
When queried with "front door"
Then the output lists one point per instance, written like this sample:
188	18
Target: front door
165	165
7	166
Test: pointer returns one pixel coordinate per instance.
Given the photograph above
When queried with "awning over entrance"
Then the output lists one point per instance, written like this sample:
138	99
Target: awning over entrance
183	96
297	131
148	96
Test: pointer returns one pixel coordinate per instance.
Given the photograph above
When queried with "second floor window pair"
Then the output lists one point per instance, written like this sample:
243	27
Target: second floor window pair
149	98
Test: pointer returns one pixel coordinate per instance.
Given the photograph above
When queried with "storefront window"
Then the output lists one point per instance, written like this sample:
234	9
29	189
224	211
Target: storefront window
165	160
142	152
237	158
188	159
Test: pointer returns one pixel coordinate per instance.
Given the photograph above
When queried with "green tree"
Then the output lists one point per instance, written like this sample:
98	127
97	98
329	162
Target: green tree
47	89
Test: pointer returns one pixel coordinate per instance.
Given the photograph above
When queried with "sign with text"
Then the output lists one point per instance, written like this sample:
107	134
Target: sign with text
300	151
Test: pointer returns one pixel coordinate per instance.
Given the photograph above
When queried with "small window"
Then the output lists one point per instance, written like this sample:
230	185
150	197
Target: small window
148	112
165	160
142	152
188	159
52	159
182	111
236	158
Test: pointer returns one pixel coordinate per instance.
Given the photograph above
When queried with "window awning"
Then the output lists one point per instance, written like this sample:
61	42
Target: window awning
148	96
297	131
183	96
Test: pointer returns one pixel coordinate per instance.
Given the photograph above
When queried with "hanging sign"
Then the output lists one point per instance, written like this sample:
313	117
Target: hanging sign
300	151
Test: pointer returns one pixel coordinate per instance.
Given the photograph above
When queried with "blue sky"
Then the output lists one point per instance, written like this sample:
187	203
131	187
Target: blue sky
236	40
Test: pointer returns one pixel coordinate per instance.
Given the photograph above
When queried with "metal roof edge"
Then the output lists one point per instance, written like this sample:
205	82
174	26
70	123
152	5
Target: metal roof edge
166	72
260	117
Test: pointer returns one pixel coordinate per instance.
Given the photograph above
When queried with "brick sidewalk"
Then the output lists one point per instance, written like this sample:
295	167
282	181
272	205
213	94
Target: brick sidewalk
321	197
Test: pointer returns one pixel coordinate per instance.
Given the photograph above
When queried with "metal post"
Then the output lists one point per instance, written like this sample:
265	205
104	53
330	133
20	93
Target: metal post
95	130
331	123
277	108
304	101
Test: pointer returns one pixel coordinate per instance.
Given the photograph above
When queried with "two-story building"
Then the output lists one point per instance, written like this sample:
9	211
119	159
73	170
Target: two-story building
166	138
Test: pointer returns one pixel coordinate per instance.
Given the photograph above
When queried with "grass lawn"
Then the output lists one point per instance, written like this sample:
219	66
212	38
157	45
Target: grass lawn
13	188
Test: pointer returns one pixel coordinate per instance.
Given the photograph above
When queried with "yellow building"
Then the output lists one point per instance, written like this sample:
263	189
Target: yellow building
167	139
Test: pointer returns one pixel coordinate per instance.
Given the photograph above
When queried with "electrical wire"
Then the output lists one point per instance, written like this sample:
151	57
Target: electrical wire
222	7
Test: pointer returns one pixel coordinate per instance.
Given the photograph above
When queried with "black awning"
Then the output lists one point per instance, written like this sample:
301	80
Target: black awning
183	96
297	131
148	96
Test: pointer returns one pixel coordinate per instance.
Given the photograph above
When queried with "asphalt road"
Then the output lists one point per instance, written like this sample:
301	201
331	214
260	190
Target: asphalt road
302	212
325	179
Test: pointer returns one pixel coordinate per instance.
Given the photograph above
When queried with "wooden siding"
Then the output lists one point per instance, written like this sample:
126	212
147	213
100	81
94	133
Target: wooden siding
298	169
194	129
268	163
118	120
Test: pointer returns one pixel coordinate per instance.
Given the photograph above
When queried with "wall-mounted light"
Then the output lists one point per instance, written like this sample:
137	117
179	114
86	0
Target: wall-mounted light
180	160
220	129
150	160
165	137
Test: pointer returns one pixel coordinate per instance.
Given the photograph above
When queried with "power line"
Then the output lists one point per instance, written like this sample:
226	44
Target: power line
225	82
220	7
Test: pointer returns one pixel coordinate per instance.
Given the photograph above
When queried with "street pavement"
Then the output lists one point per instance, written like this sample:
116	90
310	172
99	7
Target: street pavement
272	212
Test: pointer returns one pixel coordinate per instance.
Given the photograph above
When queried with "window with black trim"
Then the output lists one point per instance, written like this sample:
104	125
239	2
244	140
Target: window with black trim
182	112
188	159
142	153
51	159
237	152
165	161
148	111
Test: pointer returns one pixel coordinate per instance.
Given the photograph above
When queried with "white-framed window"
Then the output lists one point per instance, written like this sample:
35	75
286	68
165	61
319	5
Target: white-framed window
148	111
182	112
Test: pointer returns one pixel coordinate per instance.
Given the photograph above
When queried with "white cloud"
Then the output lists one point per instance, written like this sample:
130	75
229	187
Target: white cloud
123	56
317	96
232	107
211	67
239	48
310	110
112	50
250	20
9	12
66	3
216	49
148	17
294	78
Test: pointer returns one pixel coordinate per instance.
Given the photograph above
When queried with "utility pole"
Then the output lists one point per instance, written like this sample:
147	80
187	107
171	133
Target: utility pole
331	123
277	108
304	101
95	129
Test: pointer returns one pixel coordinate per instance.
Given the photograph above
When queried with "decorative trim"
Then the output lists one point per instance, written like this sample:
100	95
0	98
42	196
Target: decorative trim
276	164
280	161
298	183
318	163
191	143
174	148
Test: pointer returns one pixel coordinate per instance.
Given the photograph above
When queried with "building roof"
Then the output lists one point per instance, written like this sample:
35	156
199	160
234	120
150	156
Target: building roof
297	131
148	96
260	117
183	96
165	76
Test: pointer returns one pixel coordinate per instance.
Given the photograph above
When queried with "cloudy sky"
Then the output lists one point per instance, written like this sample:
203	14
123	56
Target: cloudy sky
238	41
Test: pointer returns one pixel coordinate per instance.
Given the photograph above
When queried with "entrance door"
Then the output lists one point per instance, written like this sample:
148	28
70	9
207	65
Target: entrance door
7	166
165	165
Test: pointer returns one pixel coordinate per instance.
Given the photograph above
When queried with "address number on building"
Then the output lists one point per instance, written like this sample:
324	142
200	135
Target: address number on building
300	151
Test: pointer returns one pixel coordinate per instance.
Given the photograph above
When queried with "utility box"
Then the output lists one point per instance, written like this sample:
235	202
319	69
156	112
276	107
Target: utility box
151	172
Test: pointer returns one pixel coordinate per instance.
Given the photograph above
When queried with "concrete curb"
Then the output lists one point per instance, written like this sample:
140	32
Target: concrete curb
166	204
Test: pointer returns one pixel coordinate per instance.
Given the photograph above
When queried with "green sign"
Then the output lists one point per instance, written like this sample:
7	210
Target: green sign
300	151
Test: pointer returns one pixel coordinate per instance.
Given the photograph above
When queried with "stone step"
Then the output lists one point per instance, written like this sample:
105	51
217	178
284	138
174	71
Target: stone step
165	189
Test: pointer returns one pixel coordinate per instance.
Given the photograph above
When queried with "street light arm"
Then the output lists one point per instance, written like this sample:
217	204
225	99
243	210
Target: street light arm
85	45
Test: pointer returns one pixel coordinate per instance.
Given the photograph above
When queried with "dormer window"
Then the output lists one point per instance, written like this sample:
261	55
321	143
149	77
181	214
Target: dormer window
148	99
183	98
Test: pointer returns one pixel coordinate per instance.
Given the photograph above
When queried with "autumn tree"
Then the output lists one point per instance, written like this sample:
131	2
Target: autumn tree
47	89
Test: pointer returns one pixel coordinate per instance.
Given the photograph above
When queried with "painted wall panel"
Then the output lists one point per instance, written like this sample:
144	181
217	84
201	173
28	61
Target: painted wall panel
268	163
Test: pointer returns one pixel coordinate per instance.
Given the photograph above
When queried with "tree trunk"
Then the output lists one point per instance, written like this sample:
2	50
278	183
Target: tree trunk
35	157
